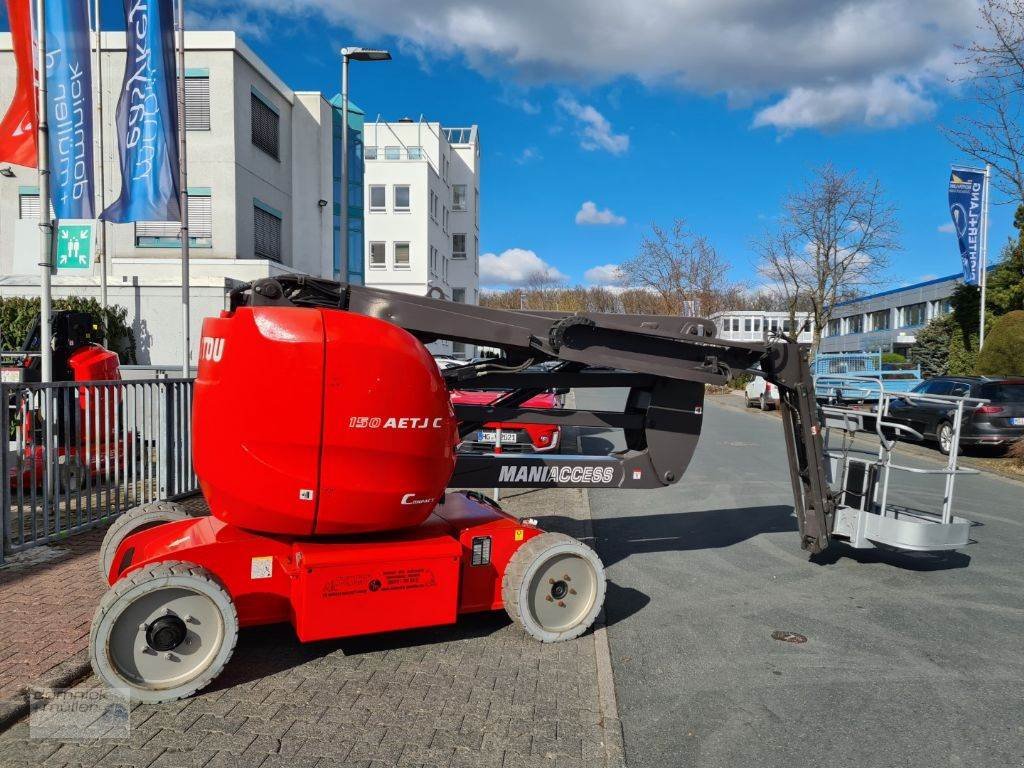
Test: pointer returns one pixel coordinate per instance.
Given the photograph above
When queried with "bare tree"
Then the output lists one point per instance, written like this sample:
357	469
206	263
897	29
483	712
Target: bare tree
678	266
832	242
994	77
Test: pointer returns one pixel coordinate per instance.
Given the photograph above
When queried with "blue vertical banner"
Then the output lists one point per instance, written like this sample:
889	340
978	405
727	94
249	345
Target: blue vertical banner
966	190
147	118
69	108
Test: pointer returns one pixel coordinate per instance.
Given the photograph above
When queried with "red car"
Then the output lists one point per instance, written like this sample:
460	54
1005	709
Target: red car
515	438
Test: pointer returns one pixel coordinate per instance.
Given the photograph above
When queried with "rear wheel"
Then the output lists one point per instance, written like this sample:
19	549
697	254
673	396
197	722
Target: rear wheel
134	520
554	587
944	434
765	405
163	632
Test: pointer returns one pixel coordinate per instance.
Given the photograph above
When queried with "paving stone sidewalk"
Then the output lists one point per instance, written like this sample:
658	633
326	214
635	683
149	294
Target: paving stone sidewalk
476	694
48	595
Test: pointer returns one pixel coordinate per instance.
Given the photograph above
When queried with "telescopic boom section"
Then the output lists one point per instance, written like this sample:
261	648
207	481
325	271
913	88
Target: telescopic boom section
665	363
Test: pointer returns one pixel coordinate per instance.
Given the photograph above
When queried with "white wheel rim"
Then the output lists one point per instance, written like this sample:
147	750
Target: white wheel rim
562	591
132	659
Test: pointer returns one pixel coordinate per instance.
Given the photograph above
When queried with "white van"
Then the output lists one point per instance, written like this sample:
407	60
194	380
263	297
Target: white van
761	393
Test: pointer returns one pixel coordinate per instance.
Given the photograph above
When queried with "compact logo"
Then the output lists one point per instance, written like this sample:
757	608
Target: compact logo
213	349
568	474
410	499
395	422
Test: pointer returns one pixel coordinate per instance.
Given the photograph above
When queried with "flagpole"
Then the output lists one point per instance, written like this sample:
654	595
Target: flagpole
984	256
183	195
45	225
101	249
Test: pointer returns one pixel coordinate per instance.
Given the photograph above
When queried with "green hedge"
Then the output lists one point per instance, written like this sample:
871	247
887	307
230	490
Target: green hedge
17	314
1003	353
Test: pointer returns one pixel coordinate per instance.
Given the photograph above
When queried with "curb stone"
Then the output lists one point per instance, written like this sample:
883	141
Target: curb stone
64	675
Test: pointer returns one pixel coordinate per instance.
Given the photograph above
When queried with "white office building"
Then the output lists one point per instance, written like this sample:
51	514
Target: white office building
263	200
755	325
422	212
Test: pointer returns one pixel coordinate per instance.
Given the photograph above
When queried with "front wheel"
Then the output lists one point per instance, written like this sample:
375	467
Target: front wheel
163	632
554	587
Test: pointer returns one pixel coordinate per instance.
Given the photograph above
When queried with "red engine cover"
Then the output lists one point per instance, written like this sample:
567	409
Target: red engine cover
309	421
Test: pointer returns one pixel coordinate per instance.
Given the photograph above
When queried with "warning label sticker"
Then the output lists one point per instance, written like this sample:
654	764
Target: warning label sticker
388	581
261	568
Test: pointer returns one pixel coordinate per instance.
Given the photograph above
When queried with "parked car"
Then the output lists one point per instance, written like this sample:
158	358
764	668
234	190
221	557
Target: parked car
999	422
503	437
761	393
447	362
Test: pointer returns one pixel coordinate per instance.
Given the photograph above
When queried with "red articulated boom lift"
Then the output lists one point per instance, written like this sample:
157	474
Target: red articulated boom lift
324	442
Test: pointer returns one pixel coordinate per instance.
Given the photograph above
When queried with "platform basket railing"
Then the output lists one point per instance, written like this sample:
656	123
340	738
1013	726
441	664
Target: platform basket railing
78	454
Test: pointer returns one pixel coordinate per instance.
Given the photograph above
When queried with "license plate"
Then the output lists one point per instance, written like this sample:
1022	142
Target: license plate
492	437
1017	421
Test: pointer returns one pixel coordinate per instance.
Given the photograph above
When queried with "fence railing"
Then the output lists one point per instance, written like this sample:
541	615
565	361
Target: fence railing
80	453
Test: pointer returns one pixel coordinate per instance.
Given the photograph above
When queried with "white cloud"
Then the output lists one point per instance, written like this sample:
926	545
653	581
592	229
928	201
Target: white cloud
516	266
750	50
527	155
883	103
946	229
589	214
605	275
594	129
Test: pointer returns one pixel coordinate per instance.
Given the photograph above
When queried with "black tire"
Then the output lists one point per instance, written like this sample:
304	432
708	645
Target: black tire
120	650
134	520
534	606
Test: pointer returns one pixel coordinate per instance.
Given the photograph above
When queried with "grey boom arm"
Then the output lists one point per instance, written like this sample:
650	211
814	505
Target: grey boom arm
664	361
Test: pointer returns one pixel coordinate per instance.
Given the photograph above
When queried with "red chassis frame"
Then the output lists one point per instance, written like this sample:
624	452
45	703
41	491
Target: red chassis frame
450	564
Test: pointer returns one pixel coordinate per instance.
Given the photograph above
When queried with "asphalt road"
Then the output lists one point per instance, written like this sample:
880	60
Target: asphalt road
911	660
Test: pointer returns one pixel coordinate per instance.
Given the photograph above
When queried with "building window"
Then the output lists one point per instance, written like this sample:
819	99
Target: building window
786	327
167	234
459	246
757	324
444	218
880	320
197	102
378	259
401	256
856	324
378	197
913	314
266	233
265	127
834	327
746	324
401	197
392	153
458	197
459	295
369	153
415	153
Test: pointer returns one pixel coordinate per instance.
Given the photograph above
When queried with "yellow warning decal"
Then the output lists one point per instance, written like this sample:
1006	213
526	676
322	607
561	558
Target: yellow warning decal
519	534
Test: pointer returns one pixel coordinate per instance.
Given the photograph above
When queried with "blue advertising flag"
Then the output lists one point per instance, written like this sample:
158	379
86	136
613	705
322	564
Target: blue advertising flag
147	118
69	108
965	206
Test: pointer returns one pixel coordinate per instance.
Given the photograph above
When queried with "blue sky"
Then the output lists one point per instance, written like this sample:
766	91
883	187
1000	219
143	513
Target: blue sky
694	108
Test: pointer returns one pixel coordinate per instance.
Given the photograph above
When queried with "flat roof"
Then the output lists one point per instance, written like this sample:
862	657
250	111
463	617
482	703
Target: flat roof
936	281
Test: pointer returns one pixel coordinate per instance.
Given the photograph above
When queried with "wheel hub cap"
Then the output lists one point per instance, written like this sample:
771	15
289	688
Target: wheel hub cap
166	633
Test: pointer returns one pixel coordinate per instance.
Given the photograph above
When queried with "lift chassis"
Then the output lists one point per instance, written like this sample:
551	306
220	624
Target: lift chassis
664	361
324	440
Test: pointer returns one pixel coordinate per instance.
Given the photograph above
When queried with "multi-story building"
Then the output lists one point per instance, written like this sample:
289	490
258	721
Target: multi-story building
755	325
422	212
889	320
263	185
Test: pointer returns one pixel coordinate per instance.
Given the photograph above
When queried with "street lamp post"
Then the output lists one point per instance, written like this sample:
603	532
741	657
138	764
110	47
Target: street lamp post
357	54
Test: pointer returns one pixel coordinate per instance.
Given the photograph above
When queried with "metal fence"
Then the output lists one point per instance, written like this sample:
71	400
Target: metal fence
81	453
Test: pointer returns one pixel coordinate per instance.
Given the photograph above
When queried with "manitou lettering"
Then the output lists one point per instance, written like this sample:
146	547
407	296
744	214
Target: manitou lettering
566	474
213	349
392	422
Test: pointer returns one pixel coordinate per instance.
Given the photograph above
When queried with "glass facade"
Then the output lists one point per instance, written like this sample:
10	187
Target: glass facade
353	272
